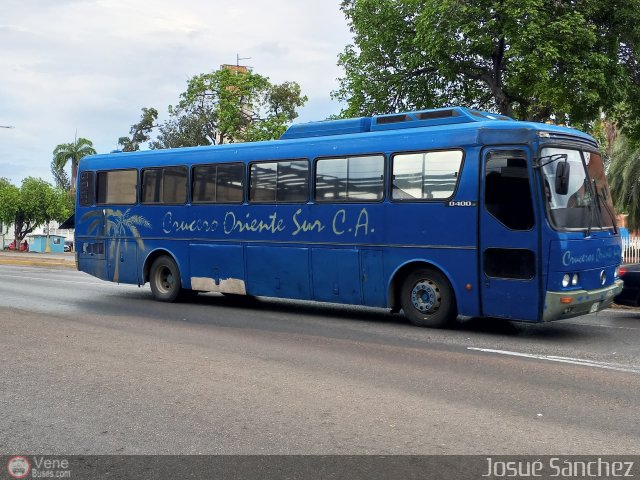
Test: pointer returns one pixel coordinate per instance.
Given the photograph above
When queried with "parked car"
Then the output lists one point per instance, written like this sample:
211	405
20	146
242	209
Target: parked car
68	246
630	295
24	246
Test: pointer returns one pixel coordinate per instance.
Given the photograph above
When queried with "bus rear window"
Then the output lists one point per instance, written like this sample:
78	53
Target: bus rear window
117	187
87	189
426	175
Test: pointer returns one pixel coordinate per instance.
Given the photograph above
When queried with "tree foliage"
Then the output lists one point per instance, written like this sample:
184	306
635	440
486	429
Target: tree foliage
9	199
140	132
530	59
69	153
35	203
225	106
624	179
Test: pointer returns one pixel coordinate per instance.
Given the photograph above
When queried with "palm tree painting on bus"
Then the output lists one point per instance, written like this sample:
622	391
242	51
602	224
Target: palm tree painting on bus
116	226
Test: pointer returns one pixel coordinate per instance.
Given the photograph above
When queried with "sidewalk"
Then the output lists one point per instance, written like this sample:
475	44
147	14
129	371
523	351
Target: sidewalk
48	260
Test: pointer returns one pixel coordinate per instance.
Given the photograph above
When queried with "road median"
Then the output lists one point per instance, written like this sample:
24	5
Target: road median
66	261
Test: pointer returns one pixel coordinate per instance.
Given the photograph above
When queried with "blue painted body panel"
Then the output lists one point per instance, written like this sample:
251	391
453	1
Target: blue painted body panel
342	252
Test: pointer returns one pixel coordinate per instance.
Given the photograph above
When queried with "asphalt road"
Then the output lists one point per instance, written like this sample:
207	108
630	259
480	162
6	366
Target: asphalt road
89	367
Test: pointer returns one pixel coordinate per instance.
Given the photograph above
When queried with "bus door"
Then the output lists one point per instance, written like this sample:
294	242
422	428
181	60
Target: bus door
508	237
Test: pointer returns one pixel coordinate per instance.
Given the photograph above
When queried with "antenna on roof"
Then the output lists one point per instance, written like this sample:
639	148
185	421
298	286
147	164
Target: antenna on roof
238	58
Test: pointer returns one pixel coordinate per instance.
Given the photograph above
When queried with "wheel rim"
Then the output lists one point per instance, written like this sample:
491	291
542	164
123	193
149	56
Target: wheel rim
425	296
164	280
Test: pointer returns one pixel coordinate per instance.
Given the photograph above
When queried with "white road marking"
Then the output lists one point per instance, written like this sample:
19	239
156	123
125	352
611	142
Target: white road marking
604	326
574	361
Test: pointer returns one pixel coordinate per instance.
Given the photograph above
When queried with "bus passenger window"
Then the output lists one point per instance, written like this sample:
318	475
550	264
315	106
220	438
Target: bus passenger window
117	187
151	185
279	182
230	183
354	179
263	182
174	185
331	179
166	185
426	175
293	181
223	183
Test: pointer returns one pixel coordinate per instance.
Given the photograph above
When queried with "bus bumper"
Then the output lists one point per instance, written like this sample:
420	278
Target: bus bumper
559	305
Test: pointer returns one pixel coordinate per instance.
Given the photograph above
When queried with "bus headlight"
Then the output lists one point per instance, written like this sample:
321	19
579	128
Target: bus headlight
566	280
575	279
617	272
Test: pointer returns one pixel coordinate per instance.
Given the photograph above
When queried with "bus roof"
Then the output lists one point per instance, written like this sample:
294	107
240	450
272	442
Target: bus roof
437	128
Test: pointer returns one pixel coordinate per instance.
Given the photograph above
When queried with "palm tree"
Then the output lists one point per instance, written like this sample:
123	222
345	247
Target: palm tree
74	152
624	179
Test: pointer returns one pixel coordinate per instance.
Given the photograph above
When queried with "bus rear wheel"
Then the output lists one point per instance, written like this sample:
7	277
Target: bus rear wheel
427	299
164	279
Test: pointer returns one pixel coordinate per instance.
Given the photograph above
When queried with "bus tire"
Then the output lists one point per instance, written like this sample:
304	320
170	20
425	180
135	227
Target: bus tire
164	279
427	299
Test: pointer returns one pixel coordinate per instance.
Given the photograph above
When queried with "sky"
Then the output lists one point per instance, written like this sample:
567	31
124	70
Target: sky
87	67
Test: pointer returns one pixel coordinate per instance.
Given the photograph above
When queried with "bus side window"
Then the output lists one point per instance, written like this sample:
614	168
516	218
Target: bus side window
174	185
220	183
117	187
426	175
151	185
166	185
351	179
284	181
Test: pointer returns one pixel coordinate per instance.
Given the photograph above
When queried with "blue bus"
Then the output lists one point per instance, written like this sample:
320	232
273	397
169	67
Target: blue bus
437	213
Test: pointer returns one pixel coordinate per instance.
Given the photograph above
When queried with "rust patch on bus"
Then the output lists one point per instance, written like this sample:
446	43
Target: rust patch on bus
228	285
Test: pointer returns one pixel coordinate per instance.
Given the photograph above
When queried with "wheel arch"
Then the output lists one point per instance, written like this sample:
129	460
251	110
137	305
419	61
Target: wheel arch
152	256
398	276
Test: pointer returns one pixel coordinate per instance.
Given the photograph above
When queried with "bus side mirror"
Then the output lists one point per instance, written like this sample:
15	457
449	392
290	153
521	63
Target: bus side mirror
562	178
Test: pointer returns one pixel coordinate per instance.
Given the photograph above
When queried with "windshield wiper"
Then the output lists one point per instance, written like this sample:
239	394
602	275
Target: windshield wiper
537	163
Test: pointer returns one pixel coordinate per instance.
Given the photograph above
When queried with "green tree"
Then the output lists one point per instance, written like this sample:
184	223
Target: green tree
140	132
9	200
624	179
229	105
529	59
35	203
70	152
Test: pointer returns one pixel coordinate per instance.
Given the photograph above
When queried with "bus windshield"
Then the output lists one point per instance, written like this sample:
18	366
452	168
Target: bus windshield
586	205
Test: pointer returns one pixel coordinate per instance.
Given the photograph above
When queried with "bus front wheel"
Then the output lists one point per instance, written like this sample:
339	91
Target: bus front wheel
427	299
165	279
